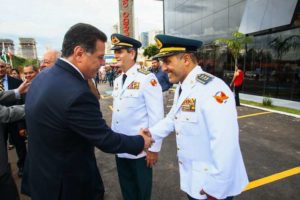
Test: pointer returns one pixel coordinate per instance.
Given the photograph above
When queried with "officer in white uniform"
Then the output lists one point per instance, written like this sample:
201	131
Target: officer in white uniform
204	118
138	103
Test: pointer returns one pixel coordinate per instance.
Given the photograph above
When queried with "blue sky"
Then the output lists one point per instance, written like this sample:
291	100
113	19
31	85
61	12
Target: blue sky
48	20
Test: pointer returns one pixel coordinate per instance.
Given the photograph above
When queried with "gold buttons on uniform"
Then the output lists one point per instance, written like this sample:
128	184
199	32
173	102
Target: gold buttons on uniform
177	148
175	117
205	169
177	133
118	110
180	162
120	98
117	122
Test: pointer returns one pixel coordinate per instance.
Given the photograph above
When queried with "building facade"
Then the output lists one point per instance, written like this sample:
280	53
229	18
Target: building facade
271	62
27	48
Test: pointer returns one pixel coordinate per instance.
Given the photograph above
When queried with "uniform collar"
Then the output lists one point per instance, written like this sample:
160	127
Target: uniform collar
191	78
131	71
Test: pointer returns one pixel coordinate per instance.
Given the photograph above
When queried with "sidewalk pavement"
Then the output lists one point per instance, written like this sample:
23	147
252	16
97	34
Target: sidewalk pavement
276	102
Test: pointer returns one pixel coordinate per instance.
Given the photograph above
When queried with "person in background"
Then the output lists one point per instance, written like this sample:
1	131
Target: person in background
162	77
15	73
49	58
237	82
30	72
8	188
110	74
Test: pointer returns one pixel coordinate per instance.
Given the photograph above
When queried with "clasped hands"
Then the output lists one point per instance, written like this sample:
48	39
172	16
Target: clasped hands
151	157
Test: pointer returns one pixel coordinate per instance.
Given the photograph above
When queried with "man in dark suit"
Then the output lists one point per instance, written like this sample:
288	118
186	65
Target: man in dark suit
65	123
8	189
12	129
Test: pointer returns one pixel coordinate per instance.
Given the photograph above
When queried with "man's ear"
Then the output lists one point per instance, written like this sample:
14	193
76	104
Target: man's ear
78	53
187	59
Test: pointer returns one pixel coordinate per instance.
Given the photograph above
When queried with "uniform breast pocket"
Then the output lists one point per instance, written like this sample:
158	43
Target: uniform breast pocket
131	99
188	117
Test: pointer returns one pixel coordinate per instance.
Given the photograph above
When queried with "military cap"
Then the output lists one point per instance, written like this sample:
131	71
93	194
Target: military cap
121	42
170	45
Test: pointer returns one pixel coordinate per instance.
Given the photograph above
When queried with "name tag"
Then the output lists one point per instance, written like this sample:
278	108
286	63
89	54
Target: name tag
189	105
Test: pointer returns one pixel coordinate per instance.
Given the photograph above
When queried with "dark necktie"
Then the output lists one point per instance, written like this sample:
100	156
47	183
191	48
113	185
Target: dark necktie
124	78
180	90
1	85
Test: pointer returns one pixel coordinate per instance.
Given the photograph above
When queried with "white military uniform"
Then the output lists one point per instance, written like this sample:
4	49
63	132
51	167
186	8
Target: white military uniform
207	134
137	104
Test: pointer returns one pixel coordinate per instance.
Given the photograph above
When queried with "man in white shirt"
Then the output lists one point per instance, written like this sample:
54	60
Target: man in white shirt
204	118
138	103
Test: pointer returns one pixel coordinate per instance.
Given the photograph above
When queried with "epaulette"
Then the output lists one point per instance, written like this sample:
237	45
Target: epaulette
143	71
204	78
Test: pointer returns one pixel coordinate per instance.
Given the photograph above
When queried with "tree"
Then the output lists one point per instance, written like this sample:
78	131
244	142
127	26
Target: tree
235	44
150	51
284	45
19	61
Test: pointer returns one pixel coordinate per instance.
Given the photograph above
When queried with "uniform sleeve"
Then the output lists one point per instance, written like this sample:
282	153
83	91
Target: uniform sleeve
152	93
163	128
85	118
11	114
221	120
7	96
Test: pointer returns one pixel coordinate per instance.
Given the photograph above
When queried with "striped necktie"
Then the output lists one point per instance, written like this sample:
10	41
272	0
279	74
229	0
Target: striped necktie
1	85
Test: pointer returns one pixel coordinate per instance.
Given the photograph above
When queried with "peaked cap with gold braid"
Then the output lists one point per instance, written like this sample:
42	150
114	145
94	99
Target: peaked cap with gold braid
122	42
170	45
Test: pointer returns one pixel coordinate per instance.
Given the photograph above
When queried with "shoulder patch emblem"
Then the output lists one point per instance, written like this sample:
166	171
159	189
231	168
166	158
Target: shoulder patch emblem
143	71
221	97
153	82
204	78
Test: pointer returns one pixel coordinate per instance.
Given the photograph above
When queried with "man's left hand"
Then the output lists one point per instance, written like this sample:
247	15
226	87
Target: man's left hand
151	158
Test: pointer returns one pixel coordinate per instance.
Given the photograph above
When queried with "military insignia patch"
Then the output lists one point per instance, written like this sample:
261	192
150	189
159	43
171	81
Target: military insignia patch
221	97
153	82
158	43
204	78
114	40
143	71
134	85
189	105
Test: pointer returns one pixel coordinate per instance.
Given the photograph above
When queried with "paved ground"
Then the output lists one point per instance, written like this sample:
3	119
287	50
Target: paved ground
270	144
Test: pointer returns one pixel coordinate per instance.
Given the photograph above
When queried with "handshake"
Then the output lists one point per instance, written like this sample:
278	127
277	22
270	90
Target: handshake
148	141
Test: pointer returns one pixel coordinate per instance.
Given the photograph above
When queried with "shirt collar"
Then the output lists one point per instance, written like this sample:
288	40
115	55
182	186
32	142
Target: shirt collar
63	59
191	77
132	70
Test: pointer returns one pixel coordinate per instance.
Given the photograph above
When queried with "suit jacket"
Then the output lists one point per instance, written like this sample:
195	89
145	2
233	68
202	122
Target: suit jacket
7	114
65	123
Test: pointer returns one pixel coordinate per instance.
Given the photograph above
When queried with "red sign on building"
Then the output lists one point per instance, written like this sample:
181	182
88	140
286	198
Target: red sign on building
126	17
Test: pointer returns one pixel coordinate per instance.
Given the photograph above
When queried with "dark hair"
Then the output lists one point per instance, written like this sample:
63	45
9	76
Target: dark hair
155	59
83	35
15	71
136	52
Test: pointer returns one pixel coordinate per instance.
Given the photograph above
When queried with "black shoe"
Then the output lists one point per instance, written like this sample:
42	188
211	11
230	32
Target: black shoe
20	172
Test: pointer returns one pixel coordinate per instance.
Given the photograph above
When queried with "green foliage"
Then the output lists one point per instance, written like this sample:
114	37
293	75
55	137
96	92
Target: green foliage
284	45
19	61
278	108
267	101
150	51
235	44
